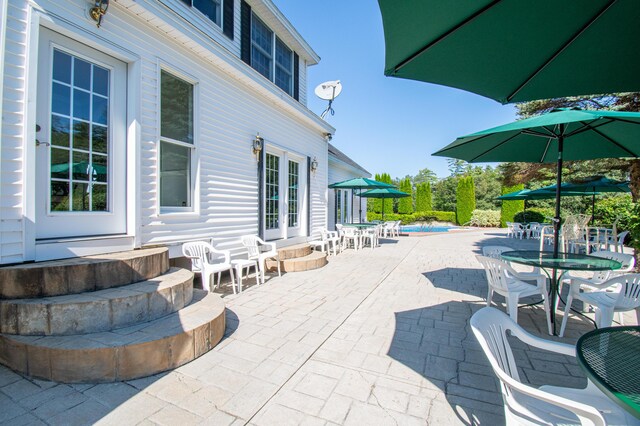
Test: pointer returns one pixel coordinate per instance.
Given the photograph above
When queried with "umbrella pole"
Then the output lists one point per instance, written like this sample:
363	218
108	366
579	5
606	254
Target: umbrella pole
593	208
382	209
360	214
556	231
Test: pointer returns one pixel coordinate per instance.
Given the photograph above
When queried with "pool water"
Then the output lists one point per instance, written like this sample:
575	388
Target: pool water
426	228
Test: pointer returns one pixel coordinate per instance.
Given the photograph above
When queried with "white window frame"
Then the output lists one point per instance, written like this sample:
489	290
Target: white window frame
274	64
194	162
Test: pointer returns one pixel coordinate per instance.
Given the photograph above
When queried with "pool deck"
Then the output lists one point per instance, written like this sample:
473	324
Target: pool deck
376	337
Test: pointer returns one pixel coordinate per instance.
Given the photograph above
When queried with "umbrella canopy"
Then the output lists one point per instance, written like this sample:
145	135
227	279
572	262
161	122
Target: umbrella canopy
541	194
588	135
529	49
591	185
360	183
384	193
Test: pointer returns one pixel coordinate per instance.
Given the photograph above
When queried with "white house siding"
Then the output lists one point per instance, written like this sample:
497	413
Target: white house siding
15	14
340	171
231	107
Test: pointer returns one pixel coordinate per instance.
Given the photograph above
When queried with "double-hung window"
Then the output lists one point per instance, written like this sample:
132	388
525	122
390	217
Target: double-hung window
176	143
209	8
265	46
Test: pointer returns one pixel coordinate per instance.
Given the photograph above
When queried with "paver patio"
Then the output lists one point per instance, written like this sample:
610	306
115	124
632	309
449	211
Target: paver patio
375	337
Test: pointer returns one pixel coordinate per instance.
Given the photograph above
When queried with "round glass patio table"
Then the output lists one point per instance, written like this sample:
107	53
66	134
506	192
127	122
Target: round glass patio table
611	356
563	262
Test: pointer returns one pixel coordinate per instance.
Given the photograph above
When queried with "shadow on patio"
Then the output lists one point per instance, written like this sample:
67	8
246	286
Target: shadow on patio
437	342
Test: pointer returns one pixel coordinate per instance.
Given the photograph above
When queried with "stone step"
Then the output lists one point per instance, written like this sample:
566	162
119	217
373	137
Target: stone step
101	310
122	354
315	260
298	250
82	274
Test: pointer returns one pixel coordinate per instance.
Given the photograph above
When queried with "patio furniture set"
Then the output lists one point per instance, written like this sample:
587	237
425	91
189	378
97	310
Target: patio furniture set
358	235
208	261
608	355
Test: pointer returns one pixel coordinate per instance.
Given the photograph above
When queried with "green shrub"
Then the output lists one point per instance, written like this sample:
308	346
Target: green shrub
534	215
424	201
486	218
405	204
465	200
608	209
510	207
429	216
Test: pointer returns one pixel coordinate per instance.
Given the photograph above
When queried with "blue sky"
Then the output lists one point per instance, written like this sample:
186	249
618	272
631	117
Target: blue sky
385	124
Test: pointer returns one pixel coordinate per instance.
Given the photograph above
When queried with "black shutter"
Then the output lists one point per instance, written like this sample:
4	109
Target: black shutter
245	32
261	193
296	76
228	18
308	196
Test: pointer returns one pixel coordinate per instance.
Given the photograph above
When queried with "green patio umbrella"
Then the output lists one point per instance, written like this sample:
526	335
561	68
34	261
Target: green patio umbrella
514	51
589	186
538	194
384	193
569	134
360	183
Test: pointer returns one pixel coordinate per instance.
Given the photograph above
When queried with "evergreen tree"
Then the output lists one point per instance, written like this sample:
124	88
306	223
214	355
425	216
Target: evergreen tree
423	197
510	207
465	200
405	205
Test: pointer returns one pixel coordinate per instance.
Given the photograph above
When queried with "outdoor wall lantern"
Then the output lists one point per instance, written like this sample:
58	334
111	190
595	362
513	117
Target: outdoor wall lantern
98	10
328	137
314	165
258	142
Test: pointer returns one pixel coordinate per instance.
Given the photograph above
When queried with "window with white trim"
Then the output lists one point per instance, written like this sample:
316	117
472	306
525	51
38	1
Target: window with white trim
294	185
265	46
212	9
176	143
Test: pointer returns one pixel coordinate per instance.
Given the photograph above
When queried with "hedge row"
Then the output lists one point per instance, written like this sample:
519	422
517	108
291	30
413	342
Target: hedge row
486	218
415	217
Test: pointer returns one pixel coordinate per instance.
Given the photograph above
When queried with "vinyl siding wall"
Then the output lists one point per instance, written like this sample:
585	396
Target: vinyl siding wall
338	172
13	24
229	112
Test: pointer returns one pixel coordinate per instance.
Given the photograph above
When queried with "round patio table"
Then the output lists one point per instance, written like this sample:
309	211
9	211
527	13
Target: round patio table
563	262
610	356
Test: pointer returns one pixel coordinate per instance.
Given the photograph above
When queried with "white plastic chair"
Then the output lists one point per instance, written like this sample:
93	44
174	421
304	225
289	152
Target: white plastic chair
396	228
496	253
546	405
369	235
388	229
255	251
618	294
350	236
202	256
332	239
598	277
503	279
618	242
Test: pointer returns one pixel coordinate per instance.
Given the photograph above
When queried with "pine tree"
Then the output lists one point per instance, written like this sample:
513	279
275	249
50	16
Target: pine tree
510	207
424	201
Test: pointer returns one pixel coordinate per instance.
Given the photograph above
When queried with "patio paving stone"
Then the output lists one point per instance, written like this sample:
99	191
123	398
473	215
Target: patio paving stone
375	337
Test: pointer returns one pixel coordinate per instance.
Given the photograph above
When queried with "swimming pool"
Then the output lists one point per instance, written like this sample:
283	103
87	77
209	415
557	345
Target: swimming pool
426	228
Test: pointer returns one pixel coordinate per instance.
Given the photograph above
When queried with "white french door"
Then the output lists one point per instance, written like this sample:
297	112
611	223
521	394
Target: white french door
81	140
284	192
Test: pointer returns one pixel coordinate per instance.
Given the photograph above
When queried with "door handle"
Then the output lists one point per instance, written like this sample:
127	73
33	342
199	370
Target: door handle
38	143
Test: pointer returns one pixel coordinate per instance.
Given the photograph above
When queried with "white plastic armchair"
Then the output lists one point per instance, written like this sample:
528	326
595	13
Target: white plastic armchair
618	294
255	250
598	277
388	229
350	236
534	275
333	240
546	405
503	279
202	257
396	228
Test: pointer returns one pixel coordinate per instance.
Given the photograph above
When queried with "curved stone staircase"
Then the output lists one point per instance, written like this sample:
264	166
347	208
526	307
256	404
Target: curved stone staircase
104	318
298	258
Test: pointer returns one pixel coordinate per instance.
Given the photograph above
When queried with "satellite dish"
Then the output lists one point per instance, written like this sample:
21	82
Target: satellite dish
329	90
